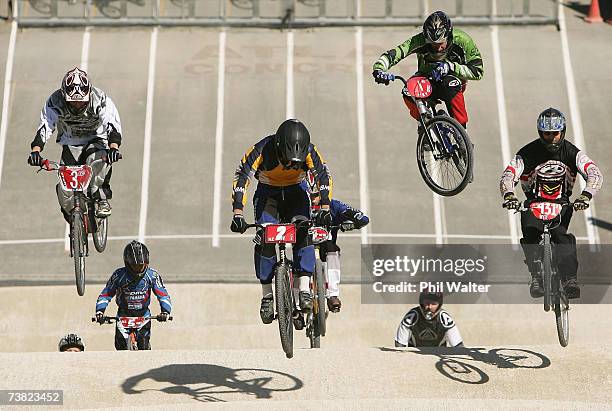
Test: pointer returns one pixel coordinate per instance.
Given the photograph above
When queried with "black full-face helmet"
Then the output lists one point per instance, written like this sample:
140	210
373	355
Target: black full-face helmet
292	140
551	120
136	259
430	297
437	29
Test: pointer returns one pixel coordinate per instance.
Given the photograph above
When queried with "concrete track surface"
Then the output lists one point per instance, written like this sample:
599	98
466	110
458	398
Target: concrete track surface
216	350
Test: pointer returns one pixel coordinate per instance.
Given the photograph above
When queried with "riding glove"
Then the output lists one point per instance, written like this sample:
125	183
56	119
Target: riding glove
35	159
239	224
100	317
511	202
163	316
381	77
582	202
113	155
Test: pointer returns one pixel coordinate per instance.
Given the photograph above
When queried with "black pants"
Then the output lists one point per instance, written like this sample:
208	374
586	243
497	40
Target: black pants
564	244
143	337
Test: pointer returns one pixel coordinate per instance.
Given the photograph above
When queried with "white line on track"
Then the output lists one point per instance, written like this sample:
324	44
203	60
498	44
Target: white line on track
439	218
146	161
364	196
8	76
219	140
503	121
239	236
290	103
576	119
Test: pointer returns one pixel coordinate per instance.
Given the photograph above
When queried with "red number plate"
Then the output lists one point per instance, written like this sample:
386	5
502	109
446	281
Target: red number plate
280	233
132	322
419	87
319	235
75	177
545	211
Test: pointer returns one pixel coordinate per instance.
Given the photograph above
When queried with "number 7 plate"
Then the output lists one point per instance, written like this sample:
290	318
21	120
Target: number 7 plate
280	233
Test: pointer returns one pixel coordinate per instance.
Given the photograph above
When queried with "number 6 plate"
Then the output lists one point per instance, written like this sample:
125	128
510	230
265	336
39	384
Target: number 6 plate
280	233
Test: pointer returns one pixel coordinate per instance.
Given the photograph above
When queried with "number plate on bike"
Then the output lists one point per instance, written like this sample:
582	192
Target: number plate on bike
419	87
280	233
132	322
545	211
319	235
75	178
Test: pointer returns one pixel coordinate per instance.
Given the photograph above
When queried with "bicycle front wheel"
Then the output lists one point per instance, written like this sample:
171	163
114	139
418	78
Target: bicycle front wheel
547	271
561	304
284	307
77	244
100	236
447	166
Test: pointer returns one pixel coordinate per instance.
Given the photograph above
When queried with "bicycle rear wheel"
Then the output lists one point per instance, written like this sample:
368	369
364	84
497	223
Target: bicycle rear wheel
561	312
100	236
284	307
547	271
446	168
77	244
320	318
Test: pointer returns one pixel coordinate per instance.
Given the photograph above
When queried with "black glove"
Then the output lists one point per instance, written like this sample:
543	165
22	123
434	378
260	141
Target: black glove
348	226
113	155
163	316
381	77
239	225
100	317
35	159
323	218
582	202
511	202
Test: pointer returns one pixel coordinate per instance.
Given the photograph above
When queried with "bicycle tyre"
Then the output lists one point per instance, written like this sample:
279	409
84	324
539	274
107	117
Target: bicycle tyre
464	143
547	271
77	243
100	236
284	308
321	301
561	304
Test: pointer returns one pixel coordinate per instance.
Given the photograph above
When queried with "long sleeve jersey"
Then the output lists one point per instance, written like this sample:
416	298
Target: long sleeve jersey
529	159
99	121
342	212
463	55
134	297
262	162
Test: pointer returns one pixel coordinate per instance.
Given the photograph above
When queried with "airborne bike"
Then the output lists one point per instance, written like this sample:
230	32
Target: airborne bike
444	152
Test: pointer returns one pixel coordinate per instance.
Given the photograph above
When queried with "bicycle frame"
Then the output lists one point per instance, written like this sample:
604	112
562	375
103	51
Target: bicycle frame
419	89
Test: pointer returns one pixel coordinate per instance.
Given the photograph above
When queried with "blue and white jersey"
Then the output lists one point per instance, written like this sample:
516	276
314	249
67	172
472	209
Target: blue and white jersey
342	212
133	298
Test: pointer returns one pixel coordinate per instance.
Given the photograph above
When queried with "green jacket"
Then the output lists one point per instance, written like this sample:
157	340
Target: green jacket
463	55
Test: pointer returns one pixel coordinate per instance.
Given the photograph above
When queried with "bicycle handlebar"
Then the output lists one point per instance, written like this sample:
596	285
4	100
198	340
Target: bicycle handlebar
110	320
50	165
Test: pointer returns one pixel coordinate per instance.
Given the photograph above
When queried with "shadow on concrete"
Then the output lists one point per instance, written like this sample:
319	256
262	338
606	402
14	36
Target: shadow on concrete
208	383
601	223
454	362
